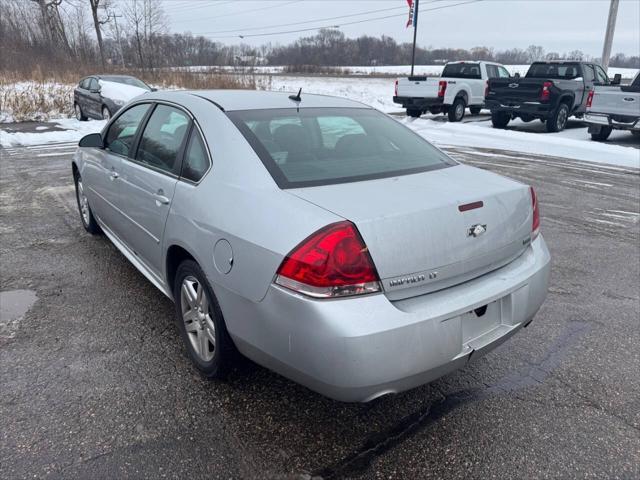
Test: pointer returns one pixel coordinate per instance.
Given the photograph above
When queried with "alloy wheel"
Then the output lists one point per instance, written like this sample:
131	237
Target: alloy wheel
106	115
83	202
196	315
78	112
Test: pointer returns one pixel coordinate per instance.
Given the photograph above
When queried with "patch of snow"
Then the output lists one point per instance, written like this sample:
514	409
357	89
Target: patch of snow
555	145
119	92
74	131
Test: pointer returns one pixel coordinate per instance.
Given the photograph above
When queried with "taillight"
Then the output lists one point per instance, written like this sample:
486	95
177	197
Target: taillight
546	90
590	98
486	89
535	225
442	87
333	262
395	92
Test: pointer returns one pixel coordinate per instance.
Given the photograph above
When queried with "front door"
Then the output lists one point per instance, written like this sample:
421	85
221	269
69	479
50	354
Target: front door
148	182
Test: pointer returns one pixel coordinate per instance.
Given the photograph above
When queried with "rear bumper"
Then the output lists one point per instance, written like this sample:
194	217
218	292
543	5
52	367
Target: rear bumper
422	103
604	120
517	109
358	349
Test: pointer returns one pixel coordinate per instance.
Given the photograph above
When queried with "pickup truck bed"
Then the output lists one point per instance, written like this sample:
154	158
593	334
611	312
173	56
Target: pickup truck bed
614	107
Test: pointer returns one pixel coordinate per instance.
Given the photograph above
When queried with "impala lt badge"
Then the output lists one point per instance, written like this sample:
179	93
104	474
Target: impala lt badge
477	230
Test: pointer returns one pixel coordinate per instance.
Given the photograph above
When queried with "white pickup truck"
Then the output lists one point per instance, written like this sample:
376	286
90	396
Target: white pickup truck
461	85
613	107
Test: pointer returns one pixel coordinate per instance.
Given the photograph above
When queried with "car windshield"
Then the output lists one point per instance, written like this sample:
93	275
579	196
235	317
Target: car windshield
323	146
461	70
134	82
554	70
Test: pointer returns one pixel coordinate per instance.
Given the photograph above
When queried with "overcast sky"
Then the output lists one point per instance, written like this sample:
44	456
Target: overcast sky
557	25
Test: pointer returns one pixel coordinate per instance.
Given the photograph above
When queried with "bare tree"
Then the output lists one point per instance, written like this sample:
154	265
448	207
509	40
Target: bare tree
97	23
52	24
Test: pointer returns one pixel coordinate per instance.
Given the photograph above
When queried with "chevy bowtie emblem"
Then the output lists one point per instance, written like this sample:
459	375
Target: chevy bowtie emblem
476	230
513	85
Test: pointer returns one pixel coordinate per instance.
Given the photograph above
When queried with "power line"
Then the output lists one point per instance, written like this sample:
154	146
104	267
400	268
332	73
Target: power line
306	21
341	24
187	7
266	7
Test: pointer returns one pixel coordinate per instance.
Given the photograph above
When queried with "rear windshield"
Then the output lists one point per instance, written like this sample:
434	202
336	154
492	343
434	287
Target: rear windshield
134	82
461	70
323	146
554	70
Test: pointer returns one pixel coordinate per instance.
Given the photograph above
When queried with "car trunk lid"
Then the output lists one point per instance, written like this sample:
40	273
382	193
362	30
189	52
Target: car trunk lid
428	231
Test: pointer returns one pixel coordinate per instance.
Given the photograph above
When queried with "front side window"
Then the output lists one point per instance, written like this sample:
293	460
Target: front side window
94	85
162	139
196	160
601	76
122	132
322	146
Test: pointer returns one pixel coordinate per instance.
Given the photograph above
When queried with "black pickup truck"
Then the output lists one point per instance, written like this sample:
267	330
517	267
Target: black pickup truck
550	91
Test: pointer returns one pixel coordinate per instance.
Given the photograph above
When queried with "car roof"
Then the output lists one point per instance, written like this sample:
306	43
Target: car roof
230	100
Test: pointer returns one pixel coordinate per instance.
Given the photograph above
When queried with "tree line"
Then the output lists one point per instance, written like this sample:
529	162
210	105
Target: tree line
63	34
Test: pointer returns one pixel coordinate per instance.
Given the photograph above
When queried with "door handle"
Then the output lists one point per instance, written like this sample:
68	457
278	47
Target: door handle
113	175
161	199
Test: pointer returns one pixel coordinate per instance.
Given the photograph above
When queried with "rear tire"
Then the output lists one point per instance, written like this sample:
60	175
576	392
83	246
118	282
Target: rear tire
201	323
86	215
414	113
601	135
77	109
456	111
475	110
558	120
500	119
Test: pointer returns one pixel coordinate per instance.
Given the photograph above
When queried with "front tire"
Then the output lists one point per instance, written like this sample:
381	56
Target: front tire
413	113
475	110
106	114
200	322
86	215
602	134
500	119
558	120
456	111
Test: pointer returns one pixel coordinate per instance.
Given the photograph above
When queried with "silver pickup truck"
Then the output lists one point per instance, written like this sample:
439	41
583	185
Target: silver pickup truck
613	107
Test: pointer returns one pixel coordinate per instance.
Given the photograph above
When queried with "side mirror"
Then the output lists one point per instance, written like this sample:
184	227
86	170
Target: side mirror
95	90
516	75
617	78
93	140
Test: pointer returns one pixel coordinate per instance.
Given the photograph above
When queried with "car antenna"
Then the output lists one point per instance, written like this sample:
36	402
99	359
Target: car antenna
296	98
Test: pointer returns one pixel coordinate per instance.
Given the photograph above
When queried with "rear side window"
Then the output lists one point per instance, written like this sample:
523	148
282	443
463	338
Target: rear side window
324	146
560	71
589	74
196	161
461	70
122	132
162	138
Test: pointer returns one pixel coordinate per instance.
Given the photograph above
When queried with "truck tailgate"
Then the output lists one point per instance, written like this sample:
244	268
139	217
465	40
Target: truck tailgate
421	87
612	100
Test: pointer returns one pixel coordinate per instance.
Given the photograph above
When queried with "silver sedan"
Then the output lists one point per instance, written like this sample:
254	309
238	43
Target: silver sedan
315	235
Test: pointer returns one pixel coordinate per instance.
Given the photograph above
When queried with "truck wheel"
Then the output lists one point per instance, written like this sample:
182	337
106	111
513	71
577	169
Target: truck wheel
412	112
475	110
500	119
456	111
558	120
602	134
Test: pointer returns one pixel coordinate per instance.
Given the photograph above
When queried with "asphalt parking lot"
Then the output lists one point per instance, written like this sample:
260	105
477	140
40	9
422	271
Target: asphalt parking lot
94	381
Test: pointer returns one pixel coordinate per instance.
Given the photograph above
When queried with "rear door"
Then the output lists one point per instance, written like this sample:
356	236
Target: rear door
94	100
148	183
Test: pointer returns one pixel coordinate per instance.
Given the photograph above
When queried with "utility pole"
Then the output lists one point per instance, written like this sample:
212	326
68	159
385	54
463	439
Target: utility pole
415	33
608	37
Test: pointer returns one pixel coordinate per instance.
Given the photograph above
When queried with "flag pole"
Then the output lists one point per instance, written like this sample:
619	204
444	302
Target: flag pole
415	32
